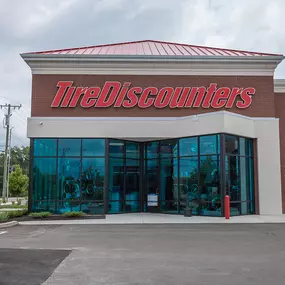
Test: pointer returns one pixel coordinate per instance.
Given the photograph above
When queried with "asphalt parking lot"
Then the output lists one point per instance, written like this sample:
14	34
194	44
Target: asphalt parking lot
192	254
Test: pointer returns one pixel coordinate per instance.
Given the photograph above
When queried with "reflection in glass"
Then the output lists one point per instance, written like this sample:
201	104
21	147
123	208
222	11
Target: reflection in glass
249	147
242	146
210	183
116	148
188	183
209	144
92	178
69	182
232	177
243	182
213	208
69	147
93	147
69	205
231	144
132	177
169	207
188	146
116	183
168	179
152	182
92	207
250	179
152	150
44	206
168	148
44	179
132	150
45	147
235	208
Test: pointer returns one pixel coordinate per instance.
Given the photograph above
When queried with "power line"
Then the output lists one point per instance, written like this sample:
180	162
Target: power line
18	139
20	118
22	105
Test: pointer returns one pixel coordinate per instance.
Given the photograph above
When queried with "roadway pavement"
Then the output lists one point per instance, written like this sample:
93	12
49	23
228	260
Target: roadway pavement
145	254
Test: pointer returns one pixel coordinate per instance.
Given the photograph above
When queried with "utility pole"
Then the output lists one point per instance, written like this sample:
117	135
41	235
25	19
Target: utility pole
9	161
9	109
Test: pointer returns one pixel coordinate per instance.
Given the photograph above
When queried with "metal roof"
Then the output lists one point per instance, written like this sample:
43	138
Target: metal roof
151	47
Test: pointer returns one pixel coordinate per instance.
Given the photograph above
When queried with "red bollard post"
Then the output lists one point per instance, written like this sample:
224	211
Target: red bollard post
227	207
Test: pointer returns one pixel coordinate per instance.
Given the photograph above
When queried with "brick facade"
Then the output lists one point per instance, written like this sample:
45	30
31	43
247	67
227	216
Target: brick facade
44	89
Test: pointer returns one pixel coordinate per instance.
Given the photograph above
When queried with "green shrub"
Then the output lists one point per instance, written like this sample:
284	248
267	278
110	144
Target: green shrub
17	213
4	216
73	214
13	203
13	206
40	215
4	201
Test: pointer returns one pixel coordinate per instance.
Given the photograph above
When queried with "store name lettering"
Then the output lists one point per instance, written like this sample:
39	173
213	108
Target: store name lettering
116	94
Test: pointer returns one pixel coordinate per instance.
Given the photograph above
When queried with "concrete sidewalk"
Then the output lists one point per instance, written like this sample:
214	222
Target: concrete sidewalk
147	218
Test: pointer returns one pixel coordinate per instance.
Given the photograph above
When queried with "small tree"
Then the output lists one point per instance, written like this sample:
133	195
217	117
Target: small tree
18	182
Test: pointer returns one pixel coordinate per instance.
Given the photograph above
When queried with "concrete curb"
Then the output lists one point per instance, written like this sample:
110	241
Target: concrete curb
9	224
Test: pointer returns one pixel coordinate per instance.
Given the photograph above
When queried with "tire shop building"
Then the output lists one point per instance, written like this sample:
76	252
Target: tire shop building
150	126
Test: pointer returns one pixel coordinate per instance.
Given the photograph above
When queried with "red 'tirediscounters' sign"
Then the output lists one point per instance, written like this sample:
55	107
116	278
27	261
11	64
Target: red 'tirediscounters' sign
116	94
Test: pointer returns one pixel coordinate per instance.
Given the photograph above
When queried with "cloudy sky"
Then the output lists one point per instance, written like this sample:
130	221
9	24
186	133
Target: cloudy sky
34	25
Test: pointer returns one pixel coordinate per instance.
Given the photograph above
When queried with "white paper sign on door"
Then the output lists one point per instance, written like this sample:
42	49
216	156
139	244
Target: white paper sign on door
152	200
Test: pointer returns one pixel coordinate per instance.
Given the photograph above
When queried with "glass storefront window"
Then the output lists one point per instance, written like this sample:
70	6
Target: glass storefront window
75	178
246	148
168	148
116	184
210	182
231	144
69	147
233	177
209	144
249	147
92	207
116	178
169	207
188	146
93	147
168	179
116	148
242	146
132	150
132	179
45	147
124	177
189	183
152	150
44	179
250	181
213	208
243	179
92	178
44	206
152	182
68	182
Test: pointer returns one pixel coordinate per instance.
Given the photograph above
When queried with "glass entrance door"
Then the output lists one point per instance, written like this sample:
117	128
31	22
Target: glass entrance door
124	165
152	186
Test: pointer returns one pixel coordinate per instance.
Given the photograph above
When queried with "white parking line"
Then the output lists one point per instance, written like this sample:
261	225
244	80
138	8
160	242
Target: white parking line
1	233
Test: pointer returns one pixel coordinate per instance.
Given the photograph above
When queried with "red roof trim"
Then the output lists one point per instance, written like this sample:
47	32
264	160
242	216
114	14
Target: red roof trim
200	48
